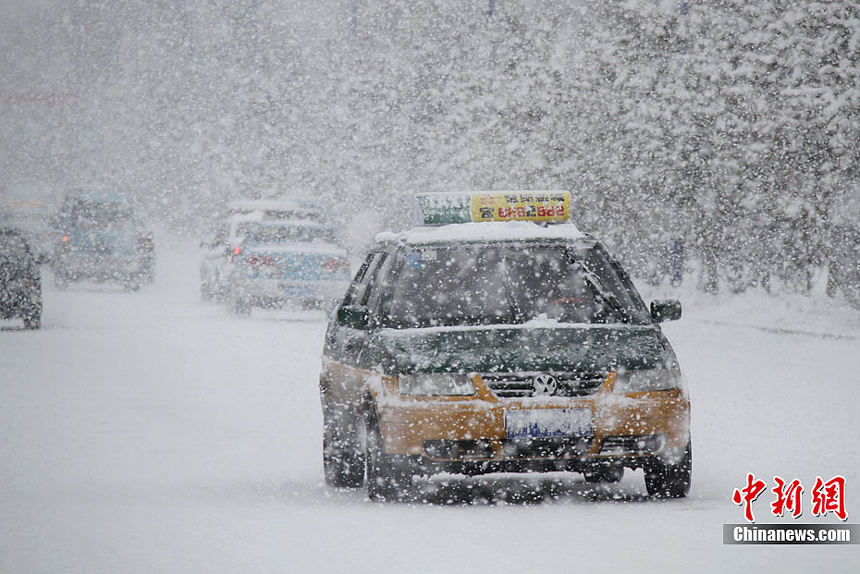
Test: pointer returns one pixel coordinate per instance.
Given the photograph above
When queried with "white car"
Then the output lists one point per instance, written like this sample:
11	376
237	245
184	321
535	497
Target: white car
296	264
220	251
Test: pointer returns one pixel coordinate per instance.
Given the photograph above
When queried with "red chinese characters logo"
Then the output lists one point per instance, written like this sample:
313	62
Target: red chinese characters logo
829	497
826	497
787	497
747	495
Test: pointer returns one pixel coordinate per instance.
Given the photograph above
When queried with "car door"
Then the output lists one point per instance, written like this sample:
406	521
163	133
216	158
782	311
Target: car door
342	375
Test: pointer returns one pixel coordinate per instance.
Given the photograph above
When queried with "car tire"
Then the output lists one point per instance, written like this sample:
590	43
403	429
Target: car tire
207	288
33	319
343	456
207	292
239	305
605	473
147	276
386	480
670	479
131	283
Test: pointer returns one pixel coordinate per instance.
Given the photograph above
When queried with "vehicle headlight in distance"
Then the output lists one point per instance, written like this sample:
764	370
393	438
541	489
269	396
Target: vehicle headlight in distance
645	380
436	384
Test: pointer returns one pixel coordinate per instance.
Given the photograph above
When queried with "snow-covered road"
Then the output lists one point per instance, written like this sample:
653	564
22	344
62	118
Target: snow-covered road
150	432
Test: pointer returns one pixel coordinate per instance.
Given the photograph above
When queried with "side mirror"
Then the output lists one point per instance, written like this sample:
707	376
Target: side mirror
665	310
354	317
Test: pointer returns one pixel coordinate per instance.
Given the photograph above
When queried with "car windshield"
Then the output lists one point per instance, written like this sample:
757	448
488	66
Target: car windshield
291	234
485	285
243	230
101	215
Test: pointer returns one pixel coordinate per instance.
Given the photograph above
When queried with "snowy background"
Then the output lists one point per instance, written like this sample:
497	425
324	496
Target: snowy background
708	122
150	431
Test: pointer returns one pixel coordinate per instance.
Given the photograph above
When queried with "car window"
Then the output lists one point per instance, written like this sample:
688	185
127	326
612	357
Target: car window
618	282
220	235
101	215
291	234
356	291
243	230
483	285
378	283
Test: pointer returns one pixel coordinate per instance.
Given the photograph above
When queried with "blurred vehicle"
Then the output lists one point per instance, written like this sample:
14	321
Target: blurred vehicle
219	251
20	280
504	340
288	263
102	237
32	219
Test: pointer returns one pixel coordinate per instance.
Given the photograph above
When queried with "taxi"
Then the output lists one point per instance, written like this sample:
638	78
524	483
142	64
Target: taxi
496	337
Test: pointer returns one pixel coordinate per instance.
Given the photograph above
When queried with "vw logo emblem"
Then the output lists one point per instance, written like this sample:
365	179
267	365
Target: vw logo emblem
545	384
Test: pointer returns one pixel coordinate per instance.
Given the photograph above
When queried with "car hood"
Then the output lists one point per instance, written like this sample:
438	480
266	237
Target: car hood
522	348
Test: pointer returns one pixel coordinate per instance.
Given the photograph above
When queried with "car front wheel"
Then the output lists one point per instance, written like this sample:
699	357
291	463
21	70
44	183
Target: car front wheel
33	318
386	480
670	479
240	305
343	456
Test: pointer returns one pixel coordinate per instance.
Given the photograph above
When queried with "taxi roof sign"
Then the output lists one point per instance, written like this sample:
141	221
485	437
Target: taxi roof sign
464	207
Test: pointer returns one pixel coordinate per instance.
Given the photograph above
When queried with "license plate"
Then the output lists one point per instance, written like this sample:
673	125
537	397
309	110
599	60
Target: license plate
548	423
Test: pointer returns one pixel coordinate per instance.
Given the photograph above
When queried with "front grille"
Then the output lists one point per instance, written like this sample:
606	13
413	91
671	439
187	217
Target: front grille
519	385
550	448
520	448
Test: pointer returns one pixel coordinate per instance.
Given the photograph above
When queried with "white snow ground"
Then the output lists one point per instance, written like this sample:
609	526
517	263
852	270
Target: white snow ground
151	432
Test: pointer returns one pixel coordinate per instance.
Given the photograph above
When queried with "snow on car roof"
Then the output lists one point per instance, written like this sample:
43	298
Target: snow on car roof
294	223
243	217
486	231
255	204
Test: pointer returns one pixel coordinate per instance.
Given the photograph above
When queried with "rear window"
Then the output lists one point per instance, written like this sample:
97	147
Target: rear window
291	234
485	285
101	215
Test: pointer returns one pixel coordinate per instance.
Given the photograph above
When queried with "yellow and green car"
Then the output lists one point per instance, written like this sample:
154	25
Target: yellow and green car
496	337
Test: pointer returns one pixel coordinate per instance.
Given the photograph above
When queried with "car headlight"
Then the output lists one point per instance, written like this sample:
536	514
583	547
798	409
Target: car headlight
645	380
436	384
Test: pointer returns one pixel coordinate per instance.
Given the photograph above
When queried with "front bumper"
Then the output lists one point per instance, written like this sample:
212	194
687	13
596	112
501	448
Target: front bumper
469	434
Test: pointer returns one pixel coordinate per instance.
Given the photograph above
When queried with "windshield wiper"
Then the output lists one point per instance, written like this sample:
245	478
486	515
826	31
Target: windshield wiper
599	289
